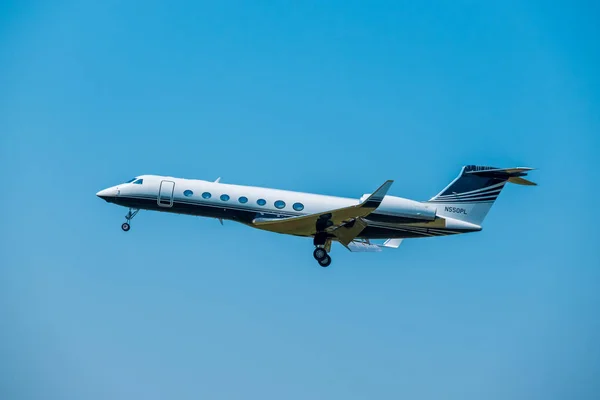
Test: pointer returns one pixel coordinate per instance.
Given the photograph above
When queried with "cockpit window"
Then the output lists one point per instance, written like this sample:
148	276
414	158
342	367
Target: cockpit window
131	180
138	182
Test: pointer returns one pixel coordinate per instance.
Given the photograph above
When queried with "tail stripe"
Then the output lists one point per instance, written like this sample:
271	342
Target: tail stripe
486	200
472	194
498	186
494	192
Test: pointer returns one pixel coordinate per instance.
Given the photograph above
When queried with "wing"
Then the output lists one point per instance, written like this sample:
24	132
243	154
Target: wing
348	218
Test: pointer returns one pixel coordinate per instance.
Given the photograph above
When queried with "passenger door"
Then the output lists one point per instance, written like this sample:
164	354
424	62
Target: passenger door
165	193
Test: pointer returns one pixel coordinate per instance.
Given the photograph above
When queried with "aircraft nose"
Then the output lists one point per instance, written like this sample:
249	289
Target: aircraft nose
106	194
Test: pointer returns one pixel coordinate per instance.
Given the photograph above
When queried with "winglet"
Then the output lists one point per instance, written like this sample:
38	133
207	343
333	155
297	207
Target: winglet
374	200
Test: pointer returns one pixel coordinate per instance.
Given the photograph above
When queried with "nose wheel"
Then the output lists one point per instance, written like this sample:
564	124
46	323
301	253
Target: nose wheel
320	254
132	213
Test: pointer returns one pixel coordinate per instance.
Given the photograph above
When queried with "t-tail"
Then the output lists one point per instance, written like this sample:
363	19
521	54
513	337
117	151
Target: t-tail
470	196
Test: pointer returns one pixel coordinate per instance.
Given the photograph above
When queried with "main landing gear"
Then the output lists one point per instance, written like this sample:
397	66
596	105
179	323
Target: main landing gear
322	244
132	213
320	254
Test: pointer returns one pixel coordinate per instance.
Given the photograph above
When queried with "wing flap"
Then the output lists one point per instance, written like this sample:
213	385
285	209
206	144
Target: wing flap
347	232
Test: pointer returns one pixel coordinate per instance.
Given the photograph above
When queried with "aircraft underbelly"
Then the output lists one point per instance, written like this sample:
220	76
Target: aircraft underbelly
379	226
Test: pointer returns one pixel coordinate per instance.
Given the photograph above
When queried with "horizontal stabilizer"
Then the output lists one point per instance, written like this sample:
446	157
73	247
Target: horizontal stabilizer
482	171
513	175
392	243
520	181
362	247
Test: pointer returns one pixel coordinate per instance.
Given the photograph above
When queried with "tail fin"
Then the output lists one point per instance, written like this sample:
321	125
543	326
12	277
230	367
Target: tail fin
471	195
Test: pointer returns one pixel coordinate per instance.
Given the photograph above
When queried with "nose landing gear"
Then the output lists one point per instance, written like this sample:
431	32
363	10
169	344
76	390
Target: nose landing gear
132	213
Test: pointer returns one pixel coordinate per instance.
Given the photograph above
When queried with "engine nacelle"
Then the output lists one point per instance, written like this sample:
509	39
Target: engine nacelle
400	207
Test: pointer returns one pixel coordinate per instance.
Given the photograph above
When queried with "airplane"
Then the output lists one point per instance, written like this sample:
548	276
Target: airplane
459	208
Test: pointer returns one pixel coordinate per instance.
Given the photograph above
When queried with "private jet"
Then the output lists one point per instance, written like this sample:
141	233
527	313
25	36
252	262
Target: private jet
355	223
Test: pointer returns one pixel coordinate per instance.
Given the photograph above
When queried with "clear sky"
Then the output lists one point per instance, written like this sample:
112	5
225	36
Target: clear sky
328	97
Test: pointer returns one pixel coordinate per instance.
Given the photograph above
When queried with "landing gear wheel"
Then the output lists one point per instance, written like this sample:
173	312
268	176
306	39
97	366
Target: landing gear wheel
132	213
325	262
319	254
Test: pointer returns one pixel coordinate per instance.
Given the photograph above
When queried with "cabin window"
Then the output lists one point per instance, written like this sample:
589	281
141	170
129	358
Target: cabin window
206	195
225	197
243	199
280	204
138	182
188	193
261	202
298	206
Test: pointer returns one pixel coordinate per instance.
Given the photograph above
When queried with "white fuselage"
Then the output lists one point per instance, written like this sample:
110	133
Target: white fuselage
396	217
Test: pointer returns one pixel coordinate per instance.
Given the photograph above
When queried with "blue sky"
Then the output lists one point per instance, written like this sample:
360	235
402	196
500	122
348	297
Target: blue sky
327	97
